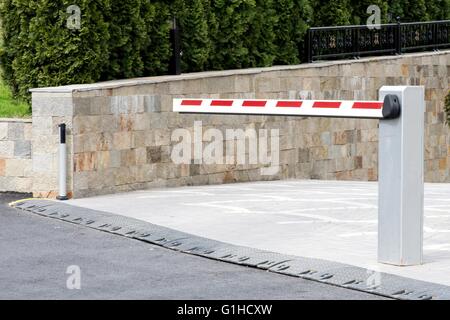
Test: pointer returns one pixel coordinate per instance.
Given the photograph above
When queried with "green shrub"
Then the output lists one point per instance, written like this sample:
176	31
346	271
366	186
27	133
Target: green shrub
438	9
260	37
332	13
243	33
127	39
39	50
409	10
192	16
229	23
130	38
157	50
293	17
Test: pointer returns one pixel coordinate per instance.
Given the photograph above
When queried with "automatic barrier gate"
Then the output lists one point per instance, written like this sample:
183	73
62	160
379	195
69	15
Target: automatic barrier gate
400	155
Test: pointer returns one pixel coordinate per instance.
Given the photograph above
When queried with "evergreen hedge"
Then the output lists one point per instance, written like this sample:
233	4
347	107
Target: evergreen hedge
39	50
117	39
130	38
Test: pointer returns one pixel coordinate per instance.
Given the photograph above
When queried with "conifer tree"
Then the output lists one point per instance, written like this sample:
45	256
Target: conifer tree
195	42
332	13
39	49
438	9
409	10
229	25
293	17
260	37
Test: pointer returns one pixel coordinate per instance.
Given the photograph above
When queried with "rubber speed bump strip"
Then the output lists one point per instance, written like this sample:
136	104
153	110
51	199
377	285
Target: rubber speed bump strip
323	271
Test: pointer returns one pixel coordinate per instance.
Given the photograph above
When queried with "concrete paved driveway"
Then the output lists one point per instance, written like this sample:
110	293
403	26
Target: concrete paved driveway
331	220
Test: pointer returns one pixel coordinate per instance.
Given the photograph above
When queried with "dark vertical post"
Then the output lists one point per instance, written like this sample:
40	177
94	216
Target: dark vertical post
308	47
435	31
175	60
398	37
357	36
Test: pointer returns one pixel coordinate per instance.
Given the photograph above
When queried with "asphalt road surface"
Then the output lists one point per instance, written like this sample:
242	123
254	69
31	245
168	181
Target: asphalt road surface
36	252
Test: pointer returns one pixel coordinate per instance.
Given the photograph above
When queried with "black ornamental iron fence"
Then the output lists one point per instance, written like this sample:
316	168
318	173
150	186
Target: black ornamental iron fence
325	43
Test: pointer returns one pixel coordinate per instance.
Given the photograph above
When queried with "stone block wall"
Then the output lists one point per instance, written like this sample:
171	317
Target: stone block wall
119	132
15	155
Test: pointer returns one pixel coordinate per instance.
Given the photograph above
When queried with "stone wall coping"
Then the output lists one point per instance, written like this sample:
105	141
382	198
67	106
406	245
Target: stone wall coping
211	74
24	120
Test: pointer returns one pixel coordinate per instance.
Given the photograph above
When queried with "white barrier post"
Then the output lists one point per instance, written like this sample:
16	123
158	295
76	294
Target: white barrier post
400	176
400	155
62	163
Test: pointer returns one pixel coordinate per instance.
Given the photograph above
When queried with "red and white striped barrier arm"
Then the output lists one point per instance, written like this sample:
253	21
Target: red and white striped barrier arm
305	108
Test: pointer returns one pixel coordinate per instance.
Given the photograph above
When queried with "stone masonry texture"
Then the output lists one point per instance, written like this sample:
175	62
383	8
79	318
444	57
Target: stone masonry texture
119	132
15	155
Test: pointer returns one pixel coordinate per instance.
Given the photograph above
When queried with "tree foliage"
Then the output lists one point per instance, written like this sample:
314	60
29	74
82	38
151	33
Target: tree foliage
293	19
409	10
192	17
130	38
438	9
39	50
332	13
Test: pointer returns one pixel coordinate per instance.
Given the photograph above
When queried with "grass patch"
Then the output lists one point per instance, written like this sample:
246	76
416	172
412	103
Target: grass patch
10	107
